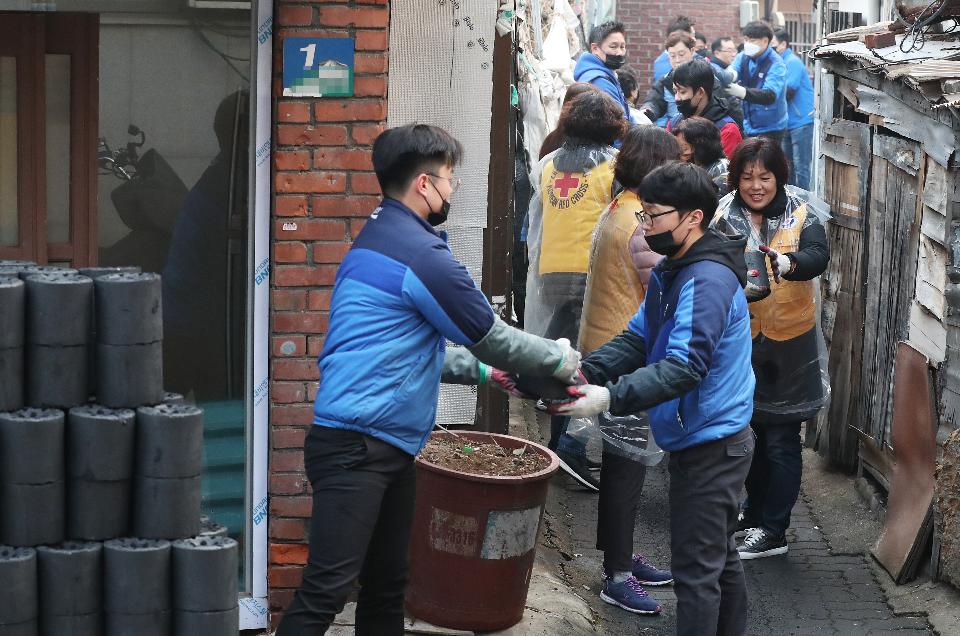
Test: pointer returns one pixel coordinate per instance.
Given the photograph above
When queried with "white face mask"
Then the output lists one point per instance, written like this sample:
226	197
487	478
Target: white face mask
751	49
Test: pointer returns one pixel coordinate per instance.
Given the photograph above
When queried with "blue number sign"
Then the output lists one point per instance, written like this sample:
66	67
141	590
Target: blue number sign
318	67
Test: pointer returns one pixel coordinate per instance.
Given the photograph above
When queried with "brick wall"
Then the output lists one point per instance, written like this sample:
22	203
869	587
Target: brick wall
324	188
647	20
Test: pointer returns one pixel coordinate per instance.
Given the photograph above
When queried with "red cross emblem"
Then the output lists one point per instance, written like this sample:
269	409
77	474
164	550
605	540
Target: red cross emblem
565	184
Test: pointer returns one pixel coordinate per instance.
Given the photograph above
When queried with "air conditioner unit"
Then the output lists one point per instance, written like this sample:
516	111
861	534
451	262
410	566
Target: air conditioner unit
749	11
219	4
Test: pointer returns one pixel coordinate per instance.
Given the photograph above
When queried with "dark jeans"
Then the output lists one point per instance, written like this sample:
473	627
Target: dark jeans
705	485
363	495
773	484
798	146
775	135
567	299
621	482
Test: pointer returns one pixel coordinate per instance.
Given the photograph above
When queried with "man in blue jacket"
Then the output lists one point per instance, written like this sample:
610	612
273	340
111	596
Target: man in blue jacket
761	84
399	295
685	359
798	140
608	52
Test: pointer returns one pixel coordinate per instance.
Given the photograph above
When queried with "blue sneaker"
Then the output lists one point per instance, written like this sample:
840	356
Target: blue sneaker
629	595
648	574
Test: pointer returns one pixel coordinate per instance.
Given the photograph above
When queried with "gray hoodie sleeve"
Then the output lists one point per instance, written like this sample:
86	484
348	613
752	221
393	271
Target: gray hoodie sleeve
505	348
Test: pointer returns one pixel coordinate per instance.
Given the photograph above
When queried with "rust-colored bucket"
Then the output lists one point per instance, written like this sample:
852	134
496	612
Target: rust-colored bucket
474	540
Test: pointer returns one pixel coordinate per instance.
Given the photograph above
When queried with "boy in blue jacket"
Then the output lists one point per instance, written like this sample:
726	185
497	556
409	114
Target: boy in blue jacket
399	295
761	84
798	139
685	359
608	52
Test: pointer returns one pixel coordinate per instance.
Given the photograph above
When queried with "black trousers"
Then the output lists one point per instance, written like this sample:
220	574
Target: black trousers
773	484
363	496
621	482
705	485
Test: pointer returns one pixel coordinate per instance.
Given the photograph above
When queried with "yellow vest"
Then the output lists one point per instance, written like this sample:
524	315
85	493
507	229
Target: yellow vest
614	286
790	309
572	203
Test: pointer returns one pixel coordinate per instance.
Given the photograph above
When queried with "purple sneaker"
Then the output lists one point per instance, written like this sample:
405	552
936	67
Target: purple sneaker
629	595
648	574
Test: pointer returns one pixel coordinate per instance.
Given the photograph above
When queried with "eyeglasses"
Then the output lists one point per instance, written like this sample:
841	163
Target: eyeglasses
455	182
643	217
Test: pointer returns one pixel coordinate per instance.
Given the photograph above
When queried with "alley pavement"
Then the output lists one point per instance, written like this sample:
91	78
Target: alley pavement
807	591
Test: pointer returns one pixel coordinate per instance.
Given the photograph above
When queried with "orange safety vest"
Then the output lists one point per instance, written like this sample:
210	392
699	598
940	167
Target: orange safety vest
790	309
572	203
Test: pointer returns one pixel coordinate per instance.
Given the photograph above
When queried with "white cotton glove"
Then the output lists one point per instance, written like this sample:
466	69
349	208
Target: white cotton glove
568	369
779	263
735	90
590	400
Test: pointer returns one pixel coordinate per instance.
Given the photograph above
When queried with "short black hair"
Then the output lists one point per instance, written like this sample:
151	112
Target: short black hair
601	32
700	37
680	23
718	43
684	186
593	116
703	137
628	81
783	36
757	29
762	150
695	74
400	154
643	149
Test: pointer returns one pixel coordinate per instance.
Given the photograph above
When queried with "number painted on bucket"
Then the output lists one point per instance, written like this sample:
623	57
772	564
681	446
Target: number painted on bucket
453	533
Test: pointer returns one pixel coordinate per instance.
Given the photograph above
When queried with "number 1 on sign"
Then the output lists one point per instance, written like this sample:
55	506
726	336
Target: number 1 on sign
311	51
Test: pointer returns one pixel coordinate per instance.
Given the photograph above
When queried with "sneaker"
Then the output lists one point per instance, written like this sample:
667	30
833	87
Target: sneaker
760	543
744	526
648	574
576	467
593	466
629	595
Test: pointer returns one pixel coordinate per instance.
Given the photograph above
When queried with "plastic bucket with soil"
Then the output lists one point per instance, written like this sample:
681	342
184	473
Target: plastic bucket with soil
480	499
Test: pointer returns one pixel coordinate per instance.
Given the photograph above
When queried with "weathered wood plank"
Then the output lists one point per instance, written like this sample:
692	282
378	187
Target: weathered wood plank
839	152
927	334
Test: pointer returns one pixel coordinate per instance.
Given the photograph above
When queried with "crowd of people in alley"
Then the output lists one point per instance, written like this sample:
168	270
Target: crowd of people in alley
672	255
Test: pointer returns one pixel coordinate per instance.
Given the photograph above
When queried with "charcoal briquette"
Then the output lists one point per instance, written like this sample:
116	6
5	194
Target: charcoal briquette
100	442
70	579
98	510
129	309
33	514
205	574
166	508
31	446
58	309
169	441
136	576
18	571
223	623
56	376
129	375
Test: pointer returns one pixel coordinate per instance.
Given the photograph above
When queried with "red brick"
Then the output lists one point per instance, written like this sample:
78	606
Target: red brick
312	387
288	484
291	159
288	553
287	437
295	343
356	225
299	135
289	252
335	110
310	182
294	15
318	300
294	370
290	529
290	205
361	18
287	461
288	392
291	507
310	230
372	41
372	63
336	205
300	276
302	322
293	112
365	134
288	300
371	1
284	576
370	87
342	159
299	414
330	252
364	183
314	348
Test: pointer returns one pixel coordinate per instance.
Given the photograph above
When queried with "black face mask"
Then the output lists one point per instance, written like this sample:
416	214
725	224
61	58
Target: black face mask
437	218
686	107
664	243
613	62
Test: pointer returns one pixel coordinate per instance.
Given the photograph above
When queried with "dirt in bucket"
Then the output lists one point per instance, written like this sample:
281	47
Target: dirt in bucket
483	458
